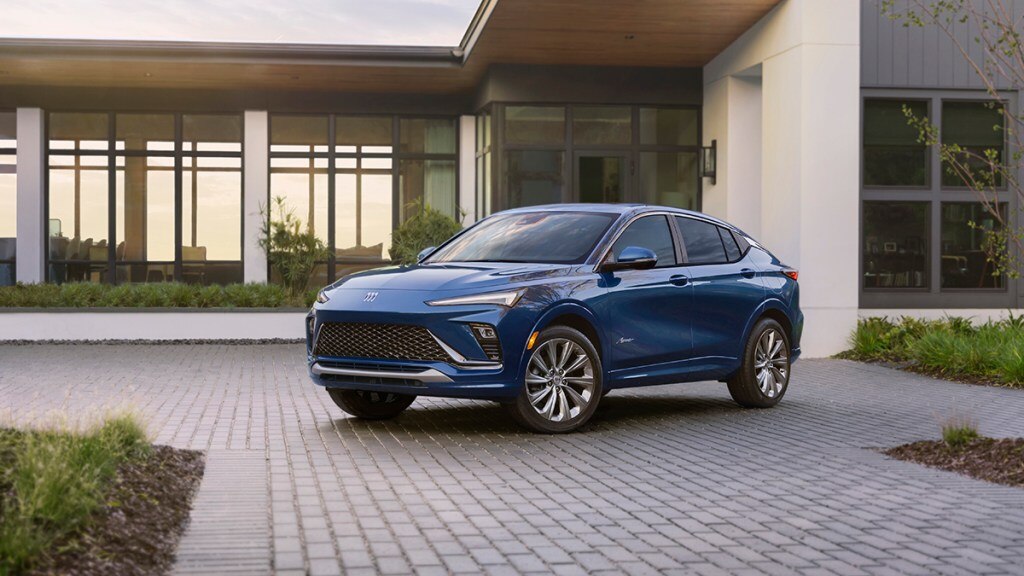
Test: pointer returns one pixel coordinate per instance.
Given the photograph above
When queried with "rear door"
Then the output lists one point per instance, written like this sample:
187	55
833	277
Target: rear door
727	287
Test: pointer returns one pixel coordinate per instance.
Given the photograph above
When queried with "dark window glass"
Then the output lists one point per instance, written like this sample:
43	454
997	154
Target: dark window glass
209	133
534	177
741	242
732	250
149	132
427	136
427	183
8	196
977	127
970	244
602	125
602	178
669	126
651	232
701	241
896	244
670	179
892	154
366	134
298	134
534	125
547	237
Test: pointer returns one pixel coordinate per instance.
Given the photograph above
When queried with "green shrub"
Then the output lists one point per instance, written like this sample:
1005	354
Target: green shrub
157	295
293	251
958	432
871	339
52	481
427	227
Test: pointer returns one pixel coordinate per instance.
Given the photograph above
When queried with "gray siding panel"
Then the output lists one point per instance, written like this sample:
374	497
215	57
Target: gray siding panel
898	56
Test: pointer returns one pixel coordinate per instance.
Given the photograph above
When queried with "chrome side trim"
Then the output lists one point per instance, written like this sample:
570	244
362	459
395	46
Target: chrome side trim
461	360
427	375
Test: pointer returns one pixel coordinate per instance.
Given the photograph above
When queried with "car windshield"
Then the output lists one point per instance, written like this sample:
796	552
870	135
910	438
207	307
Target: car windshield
541	237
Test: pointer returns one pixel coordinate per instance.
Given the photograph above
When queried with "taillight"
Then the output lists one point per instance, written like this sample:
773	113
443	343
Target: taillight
794	274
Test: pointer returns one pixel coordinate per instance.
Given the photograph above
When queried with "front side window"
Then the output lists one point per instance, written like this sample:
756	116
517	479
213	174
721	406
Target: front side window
653	233
539	237
702	242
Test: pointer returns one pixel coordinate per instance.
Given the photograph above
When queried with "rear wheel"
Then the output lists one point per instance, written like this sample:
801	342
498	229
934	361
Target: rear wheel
370	405
764	375
563	383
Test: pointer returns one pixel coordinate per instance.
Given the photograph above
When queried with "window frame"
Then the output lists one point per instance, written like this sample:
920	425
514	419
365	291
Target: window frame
1011	294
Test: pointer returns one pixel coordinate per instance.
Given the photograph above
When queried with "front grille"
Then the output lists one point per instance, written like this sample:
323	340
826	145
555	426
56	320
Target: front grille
381	341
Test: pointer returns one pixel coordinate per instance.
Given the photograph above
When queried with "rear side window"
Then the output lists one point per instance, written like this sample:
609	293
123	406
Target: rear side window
702	241
651	232
732	250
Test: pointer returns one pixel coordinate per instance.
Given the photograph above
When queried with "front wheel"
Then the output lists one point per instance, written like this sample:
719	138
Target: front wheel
563	383
370	405
764	375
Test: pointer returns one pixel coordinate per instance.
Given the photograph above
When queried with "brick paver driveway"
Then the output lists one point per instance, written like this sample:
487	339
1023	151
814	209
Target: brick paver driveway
668	479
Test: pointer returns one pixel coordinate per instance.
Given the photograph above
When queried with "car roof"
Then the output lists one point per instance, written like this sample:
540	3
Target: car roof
614	209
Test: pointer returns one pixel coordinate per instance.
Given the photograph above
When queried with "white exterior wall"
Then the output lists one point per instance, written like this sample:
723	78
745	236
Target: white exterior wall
467	168
802	61
30	254
256	182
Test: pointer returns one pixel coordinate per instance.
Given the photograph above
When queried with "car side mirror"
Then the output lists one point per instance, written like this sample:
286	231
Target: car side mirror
424	253
631	258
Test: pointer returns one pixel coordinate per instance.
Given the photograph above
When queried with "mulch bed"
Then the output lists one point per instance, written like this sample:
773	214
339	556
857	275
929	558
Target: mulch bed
138	530
998	461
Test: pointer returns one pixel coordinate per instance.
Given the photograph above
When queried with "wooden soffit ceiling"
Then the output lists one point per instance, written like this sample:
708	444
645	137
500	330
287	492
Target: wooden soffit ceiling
674	33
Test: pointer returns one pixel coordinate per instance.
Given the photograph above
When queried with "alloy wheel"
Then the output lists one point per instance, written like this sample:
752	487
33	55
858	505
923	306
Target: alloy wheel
560	380
771	363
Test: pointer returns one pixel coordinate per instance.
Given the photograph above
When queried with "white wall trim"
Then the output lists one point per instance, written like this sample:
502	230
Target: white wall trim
30	251
256	184
151	325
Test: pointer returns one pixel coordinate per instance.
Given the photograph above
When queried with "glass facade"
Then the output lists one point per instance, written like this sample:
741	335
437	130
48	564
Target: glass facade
144	198
8	196
352	179
589	153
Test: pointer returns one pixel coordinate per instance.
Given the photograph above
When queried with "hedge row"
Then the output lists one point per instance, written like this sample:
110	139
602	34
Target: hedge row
162	295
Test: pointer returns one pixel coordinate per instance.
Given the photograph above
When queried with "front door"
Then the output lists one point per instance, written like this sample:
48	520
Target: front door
602	177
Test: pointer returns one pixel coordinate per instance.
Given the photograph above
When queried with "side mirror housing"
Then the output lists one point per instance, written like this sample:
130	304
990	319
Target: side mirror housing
631	258
425	252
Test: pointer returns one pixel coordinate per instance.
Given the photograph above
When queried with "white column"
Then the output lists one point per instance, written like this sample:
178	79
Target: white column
467	168
256	182
807	54
31	227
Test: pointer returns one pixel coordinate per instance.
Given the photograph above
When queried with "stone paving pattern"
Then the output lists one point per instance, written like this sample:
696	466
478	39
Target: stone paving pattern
671	479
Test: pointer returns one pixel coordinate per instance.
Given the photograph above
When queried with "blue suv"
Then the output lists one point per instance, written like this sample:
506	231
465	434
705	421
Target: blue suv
548	308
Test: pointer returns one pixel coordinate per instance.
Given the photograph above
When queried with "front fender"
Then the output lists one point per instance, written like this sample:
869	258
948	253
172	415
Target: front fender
575	308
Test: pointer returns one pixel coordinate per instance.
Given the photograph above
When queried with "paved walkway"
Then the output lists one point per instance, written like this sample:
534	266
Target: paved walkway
673	479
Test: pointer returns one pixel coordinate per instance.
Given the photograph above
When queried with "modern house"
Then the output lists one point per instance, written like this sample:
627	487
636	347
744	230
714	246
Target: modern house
124	161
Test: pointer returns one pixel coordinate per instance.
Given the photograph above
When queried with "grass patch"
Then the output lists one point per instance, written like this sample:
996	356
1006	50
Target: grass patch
162	295
52	482
952	347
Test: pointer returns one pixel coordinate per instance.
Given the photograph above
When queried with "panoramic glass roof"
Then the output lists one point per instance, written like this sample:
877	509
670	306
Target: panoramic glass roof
380	22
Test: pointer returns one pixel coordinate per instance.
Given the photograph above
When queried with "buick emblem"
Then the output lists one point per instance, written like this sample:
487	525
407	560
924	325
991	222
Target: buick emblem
370	297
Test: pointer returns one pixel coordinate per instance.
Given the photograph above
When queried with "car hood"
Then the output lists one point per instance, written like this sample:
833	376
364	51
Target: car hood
450	276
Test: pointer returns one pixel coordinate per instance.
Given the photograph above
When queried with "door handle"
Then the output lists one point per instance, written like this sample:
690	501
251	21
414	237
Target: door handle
747	273
679	280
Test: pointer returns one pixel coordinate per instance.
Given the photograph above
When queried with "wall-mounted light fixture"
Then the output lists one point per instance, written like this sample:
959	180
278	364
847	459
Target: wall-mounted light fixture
709	161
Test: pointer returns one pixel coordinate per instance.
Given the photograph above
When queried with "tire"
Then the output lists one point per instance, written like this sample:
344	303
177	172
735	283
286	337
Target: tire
370	405
763	378
564	378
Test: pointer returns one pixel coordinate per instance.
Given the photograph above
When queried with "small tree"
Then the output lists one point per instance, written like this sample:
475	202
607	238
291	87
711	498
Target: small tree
427	227
292	250
1000	67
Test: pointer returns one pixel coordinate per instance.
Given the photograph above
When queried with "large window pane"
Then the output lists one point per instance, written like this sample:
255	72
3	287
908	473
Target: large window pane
79	131
968	245
602	125
670	179
534	125
976	127
669	126
150	132
78	202
896	243
892	154
304	191
427	136
362	217
211	210
431	182
367	134
145	209
209	133
534	177
8	196
298	134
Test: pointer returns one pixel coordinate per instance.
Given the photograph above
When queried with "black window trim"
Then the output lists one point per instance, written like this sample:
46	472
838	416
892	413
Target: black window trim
686	262
610	243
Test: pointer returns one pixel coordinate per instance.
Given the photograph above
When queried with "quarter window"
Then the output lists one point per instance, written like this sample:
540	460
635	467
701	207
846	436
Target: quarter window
702	242
653	233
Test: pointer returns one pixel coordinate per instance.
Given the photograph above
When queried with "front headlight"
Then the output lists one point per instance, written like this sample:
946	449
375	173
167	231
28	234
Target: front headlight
506	299
322	296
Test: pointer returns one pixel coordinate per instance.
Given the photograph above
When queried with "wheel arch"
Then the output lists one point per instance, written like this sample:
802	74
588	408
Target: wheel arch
775	310
579	317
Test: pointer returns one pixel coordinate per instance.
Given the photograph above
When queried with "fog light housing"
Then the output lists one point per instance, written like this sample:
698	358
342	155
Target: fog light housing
487	337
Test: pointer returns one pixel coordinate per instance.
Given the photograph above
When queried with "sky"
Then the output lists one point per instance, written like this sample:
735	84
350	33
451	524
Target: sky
379	22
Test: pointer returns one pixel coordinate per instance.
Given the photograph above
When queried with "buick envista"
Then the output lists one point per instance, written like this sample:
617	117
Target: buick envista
548	308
